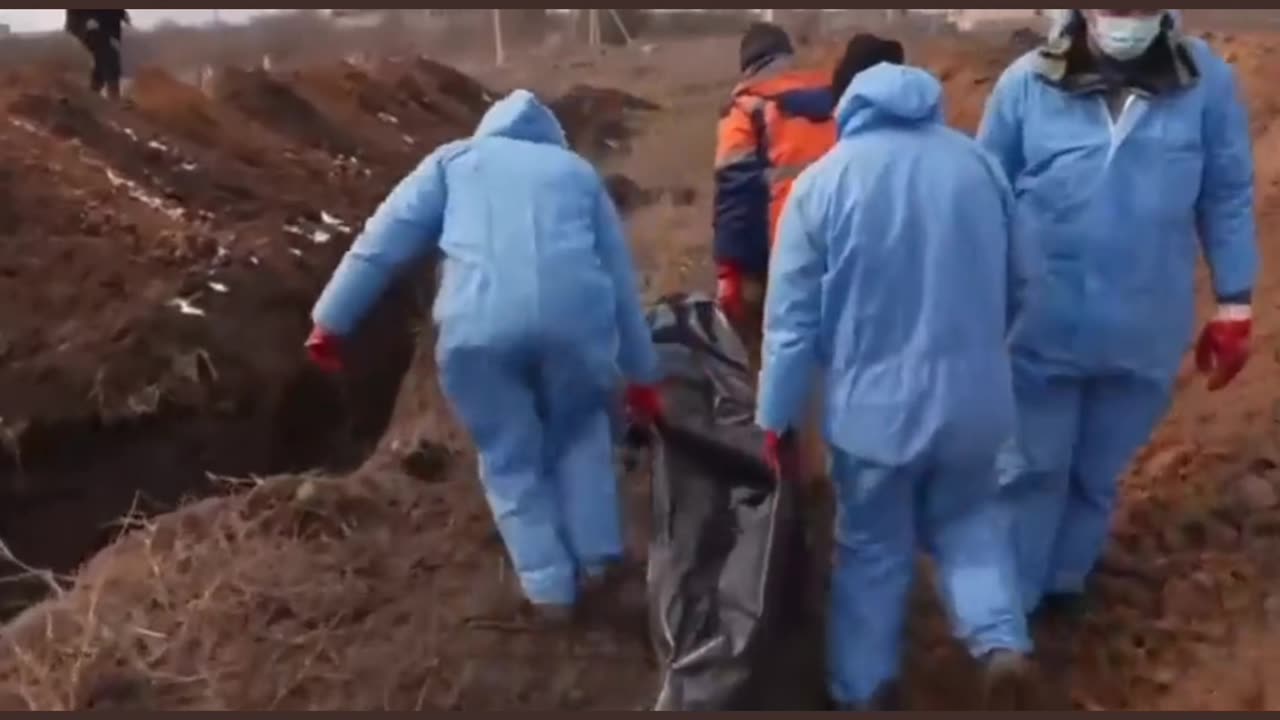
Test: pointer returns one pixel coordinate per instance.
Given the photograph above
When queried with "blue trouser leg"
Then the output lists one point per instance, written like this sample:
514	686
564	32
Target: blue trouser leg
955	512
494	393
1118	415
579	460
1034	472
967	533
874	570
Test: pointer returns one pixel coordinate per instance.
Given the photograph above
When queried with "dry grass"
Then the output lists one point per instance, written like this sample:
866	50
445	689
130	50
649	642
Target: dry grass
303	617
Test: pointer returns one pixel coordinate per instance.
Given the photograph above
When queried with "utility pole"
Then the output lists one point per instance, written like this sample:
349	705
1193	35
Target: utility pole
593	28
500	53
622	27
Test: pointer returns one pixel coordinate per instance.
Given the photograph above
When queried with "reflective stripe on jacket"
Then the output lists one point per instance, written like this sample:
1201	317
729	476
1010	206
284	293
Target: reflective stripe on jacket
776	124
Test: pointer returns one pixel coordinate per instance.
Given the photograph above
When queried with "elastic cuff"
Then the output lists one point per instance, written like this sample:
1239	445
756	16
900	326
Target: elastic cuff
1020	644
1233	313
1240	298
558	587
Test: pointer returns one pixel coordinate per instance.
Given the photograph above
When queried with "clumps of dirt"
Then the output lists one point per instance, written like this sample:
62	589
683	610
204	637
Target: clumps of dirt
598	121
629	196
1254	56
365	593
401	103
626	193
162	260
968	69
272	103
199	124
440	89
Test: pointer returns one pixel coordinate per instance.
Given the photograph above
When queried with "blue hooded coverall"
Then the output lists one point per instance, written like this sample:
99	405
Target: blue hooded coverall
539	312
1116	205
894	274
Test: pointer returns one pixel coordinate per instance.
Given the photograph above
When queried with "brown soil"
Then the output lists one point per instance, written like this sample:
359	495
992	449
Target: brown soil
382	584
598	121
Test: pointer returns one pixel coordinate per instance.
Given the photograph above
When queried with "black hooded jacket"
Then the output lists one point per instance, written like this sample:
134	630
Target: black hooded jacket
108	22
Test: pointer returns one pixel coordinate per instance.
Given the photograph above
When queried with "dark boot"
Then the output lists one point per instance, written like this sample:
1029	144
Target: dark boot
553	617
618	598
1008	681
510	610
1060	610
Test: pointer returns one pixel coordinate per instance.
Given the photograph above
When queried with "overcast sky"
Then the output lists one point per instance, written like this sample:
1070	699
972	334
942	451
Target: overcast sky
36	20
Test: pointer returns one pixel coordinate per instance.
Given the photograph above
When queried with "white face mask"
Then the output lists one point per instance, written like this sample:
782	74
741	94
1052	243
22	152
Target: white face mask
1125	38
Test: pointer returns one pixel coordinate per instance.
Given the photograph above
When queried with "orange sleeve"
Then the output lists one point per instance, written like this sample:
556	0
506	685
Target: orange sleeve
741	220
736	138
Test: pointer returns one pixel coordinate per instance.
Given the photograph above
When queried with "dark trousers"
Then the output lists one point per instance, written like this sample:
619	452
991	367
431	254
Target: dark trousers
106	62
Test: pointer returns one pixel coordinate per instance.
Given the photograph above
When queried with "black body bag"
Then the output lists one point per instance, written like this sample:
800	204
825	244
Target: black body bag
729	569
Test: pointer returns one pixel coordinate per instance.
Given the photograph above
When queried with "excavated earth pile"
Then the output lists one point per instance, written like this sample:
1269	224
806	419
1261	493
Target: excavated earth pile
160	264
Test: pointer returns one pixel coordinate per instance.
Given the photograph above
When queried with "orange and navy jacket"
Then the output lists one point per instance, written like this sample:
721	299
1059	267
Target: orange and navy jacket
775	125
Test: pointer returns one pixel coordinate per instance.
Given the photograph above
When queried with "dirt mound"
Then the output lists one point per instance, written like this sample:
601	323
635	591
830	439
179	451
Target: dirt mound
439	89
598	121
403	103
274	104
171	249
375	581
1254	57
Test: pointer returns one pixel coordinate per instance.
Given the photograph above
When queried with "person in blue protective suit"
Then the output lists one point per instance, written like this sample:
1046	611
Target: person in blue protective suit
894	278
539	314
1128	147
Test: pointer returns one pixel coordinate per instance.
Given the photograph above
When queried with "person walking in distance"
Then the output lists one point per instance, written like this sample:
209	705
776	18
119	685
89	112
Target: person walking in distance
101	33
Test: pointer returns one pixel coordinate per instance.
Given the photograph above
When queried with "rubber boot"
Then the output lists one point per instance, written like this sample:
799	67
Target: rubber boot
1062	608
616	596
510	609
1008	681
1060	614
553	617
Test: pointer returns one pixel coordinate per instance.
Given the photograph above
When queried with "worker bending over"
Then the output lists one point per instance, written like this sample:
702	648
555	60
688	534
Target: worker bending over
538	311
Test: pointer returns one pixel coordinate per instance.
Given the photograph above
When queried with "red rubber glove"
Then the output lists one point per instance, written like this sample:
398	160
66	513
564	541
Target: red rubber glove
325	351
644	405
1223	349
774	447
729	290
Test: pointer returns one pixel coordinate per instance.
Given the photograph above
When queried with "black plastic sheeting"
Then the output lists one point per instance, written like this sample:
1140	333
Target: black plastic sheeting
730	586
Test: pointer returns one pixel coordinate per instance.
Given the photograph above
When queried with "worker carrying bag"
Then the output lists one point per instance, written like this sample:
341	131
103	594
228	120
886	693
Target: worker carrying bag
730	595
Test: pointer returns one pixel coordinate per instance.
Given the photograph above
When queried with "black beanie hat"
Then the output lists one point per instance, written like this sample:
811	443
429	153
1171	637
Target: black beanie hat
761	42
864	52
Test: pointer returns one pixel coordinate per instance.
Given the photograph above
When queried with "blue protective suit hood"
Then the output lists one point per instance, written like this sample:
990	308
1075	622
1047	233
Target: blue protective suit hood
522	116
889	93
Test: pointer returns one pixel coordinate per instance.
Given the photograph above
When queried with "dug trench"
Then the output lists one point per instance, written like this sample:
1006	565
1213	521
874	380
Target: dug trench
69	488
163	259
120	403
